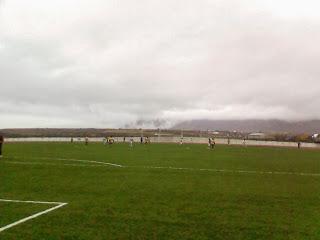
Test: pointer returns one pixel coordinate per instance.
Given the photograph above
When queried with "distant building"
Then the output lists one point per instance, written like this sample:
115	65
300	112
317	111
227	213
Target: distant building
257	136
316	138
214	132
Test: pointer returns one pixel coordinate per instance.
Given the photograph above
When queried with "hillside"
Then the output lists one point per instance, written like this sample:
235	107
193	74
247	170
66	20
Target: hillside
310	127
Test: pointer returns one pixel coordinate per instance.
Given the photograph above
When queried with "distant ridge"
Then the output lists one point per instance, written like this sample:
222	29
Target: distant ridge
253	125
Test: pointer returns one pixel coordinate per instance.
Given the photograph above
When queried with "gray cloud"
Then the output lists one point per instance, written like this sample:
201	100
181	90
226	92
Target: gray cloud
111	63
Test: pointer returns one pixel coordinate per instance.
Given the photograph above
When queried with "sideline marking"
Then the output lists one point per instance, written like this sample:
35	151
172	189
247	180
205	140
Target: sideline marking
100	164
59	205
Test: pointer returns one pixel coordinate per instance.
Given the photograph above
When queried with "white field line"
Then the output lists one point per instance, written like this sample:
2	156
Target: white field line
85	161
170	168
52	164
59	205
232	171
75	160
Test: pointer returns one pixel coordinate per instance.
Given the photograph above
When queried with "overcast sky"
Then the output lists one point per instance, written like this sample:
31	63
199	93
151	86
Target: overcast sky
108	63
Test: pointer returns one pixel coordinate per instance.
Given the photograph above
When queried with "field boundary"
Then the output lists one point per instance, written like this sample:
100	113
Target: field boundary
175	140
23	220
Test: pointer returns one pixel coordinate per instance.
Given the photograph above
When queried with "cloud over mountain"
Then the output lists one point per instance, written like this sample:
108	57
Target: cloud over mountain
109	63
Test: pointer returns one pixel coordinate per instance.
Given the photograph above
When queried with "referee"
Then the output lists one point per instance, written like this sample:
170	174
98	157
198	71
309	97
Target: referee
1	143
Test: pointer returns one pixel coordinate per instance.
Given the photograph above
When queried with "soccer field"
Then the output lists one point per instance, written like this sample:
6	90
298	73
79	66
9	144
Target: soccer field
158	191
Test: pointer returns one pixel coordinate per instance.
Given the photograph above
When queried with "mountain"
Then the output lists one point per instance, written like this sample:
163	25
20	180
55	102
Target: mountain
253	125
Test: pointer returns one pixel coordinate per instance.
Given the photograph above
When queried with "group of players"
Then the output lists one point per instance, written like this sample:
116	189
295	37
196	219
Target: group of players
110	140
143	140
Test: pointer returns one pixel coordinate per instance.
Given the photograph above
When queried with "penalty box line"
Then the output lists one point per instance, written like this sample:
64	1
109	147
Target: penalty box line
23	220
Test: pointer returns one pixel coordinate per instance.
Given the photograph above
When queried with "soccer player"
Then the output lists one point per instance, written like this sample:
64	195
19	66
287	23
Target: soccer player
213	143
131	141
111	140
86	140
141	140
209	142
1	143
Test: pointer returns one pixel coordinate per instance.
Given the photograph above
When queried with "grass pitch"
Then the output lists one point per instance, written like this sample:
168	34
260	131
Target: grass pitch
163	191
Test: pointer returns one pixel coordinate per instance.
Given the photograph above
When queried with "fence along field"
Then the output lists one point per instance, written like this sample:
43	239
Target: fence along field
187	140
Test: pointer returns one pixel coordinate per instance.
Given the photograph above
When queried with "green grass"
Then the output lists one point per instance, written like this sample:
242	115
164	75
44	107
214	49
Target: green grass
134	202
12	212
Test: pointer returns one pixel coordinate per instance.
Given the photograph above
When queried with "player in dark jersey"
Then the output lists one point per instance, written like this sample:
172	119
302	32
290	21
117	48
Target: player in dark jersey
213	143
1	143
111	140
